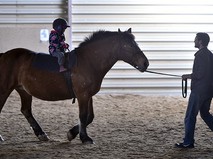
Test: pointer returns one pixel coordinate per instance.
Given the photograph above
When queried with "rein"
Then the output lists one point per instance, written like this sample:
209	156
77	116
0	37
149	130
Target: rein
184	81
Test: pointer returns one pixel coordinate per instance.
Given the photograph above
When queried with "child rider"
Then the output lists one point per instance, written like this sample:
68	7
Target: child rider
57	43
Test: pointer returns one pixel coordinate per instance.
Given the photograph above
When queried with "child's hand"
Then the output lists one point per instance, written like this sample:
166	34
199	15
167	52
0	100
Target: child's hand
66	46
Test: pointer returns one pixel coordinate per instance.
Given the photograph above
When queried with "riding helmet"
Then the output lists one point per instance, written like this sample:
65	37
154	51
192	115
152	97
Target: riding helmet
60	24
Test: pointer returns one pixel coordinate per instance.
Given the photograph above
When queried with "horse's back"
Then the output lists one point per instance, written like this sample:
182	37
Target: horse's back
19	53
16	56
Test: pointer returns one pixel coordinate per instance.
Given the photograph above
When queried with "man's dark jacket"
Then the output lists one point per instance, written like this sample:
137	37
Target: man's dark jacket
202	73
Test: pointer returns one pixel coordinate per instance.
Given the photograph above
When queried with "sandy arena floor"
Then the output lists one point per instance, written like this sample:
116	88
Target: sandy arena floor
125	127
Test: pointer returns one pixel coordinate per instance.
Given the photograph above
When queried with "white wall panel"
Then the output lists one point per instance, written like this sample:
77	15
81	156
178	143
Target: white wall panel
32	11
165	31
25	19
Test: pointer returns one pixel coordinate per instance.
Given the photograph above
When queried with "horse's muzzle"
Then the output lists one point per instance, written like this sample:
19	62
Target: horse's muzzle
144	67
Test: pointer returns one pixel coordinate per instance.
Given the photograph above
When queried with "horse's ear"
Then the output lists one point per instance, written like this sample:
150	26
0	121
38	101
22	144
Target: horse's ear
119	30
129	30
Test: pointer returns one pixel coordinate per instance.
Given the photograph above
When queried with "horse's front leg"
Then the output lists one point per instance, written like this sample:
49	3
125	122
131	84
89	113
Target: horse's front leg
3	97
86	115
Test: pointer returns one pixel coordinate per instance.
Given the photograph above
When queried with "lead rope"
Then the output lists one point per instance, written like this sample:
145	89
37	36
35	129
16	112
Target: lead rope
184	81
184	88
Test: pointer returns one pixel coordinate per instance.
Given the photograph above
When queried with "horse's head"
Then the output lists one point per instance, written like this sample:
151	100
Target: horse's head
130	52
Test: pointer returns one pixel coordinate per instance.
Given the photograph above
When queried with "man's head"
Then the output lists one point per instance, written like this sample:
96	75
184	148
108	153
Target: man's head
201	40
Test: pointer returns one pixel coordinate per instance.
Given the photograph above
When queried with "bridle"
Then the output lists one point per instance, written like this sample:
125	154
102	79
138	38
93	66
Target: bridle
184	81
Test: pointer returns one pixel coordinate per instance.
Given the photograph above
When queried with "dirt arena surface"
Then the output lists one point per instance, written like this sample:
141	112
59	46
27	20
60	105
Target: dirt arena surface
125	127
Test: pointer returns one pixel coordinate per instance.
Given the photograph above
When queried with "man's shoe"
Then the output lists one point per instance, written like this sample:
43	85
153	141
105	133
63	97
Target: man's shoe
184	146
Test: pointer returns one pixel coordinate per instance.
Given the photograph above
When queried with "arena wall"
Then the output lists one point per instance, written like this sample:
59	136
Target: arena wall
22	20
164	30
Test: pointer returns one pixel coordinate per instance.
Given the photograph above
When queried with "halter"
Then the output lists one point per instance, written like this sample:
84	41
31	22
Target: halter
184	81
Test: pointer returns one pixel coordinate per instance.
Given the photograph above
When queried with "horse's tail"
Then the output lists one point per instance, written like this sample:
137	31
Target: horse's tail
1	54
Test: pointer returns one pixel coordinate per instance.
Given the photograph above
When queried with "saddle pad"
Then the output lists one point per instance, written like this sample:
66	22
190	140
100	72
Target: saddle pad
45	62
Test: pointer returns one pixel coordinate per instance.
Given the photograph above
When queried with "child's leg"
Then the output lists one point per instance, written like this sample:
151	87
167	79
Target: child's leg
60	56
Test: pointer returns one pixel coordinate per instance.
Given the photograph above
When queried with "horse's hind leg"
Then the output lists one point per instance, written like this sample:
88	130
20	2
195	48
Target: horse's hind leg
26	109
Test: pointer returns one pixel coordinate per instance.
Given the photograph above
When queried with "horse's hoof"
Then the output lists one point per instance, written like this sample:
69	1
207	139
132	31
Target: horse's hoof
1	139
43	137
70	137
88	142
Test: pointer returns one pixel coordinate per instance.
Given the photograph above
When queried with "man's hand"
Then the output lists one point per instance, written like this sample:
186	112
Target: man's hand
186	76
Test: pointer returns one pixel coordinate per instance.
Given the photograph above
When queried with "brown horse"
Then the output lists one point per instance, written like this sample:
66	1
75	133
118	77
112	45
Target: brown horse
95	57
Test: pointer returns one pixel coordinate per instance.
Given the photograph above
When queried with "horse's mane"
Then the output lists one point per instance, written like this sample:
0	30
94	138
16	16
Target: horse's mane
1	54
103	34
96	36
